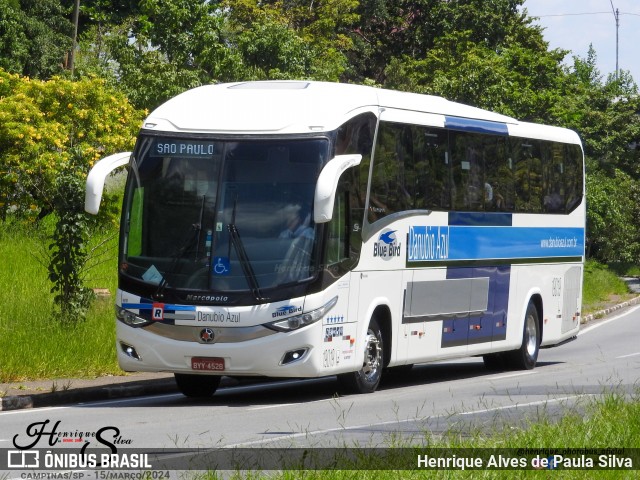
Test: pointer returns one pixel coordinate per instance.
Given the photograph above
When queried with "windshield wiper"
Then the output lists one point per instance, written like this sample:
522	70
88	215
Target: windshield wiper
194	234
245	263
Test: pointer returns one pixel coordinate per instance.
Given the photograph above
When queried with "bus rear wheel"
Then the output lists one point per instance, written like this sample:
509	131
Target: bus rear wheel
526	356
197	386
367	379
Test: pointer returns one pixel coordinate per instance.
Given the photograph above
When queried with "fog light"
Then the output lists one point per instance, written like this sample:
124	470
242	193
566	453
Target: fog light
129	351
293	356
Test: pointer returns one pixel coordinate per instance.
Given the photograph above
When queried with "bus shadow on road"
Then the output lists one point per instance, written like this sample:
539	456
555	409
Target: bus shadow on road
265	393
429	373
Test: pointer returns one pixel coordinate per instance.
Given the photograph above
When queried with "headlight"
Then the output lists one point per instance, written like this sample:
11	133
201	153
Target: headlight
130	318
302	320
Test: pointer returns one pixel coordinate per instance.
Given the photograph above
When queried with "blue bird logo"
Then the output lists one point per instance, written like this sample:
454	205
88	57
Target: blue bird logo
386	237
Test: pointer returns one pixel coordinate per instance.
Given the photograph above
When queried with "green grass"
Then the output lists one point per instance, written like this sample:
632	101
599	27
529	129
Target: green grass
33	343
601	286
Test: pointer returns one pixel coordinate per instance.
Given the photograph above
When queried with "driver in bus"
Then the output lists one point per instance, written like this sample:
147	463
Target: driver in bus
297	223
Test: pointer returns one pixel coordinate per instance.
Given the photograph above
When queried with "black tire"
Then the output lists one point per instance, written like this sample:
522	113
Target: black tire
367	379
493	362
197	386
526	356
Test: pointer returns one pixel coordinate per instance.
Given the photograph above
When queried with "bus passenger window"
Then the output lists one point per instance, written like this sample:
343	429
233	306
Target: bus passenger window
431	168
388	194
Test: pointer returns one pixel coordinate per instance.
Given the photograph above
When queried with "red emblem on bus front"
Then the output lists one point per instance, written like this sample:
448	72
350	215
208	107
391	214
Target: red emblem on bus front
157	312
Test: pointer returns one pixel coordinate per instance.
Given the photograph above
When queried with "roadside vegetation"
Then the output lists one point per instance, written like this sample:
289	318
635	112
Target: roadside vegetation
603	286
33	343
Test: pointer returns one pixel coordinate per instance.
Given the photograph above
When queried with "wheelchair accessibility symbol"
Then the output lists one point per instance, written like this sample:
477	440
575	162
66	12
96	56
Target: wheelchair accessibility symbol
221	266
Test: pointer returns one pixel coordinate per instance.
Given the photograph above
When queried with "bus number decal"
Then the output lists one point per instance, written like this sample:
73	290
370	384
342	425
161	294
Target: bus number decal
330	357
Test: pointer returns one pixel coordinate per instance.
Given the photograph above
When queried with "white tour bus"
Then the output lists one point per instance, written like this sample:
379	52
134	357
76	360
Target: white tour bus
306	229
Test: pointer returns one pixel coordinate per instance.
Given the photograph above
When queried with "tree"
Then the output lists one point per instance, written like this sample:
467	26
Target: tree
410	29
67	253
613	233
606	113
35	37
173	45
42	122
514	80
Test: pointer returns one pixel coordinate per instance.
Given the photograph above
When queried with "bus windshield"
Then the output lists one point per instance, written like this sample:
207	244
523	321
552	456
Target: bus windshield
221	216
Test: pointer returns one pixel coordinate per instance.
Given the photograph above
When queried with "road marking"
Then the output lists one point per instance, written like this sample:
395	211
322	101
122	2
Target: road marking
511	375
612	319
530	404
630	355
266	407
396	422
32	410
127	400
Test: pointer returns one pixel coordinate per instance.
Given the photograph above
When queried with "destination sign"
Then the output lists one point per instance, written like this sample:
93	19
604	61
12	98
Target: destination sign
182	148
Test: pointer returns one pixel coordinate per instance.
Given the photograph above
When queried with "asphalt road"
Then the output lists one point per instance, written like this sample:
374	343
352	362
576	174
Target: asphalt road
459	396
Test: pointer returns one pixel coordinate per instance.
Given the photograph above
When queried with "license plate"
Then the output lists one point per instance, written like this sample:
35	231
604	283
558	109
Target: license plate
214	364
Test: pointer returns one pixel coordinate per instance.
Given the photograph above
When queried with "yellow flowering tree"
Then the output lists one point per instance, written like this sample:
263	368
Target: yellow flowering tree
42	122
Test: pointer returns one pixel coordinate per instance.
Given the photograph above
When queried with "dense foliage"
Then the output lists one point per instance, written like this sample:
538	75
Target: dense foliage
43	121
487	53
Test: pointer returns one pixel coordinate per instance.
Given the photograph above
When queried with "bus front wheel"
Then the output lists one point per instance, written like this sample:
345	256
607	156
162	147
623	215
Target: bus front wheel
367	379
526	356
197	386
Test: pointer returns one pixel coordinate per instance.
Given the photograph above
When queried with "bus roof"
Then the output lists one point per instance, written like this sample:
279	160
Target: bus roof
290	107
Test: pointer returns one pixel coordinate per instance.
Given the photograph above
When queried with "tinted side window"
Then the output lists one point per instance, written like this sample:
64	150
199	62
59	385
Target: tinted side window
393	153
573	177
431	169
410	170
548	176
356	136
417	167
526	155
481	171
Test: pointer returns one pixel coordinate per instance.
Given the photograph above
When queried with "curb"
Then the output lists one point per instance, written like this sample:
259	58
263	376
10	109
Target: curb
88	394
607	311
135	388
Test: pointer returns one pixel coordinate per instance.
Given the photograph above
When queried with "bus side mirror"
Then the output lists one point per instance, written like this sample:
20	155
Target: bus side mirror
97	177
328	183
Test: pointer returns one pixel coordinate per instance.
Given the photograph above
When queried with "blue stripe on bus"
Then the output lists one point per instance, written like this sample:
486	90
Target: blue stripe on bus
476	126
137	306
167	307
480	219
454	243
